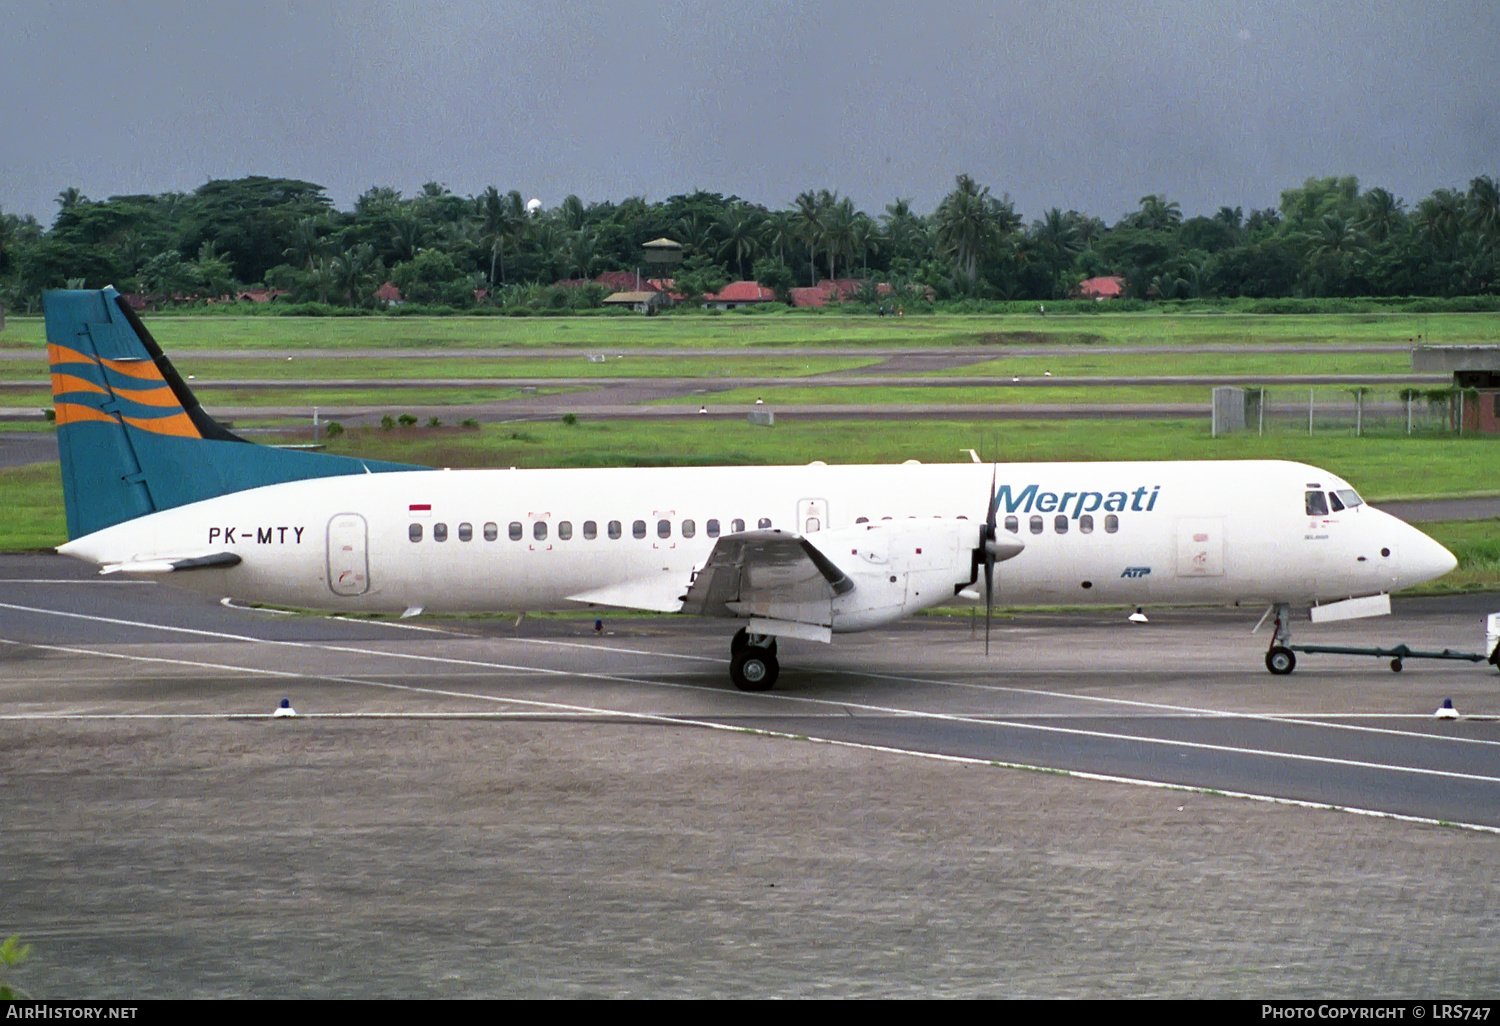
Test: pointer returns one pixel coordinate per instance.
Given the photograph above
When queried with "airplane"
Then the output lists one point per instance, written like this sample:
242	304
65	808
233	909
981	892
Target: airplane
154	485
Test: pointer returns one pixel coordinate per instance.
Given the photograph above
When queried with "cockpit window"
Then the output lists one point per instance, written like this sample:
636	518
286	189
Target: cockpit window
1349	497
1334	503
1317	505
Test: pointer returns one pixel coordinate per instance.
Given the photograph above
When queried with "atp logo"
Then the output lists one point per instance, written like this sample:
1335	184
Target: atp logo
1137	571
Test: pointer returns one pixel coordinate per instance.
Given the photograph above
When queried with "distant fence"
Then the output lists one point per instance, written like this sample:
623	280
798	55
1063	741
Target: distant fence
1328	409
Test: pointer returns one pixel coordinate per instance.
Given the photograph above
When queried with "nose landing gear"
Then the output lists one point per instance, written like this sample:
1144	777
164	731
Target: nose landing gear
1280	659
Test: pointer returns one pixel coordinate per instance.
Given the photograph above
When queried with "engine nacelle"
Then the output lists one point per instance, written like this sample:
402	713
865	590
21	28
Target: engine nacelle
898	567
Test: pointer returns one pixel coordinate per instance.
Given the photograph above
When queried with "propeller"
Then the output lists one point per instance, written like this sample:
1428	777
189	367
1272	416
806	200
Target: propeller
993	550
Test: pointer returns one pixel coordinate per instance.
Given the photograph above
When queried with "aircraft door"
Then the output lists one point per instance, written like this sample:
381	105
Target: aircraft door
348	561
1200	547
812	515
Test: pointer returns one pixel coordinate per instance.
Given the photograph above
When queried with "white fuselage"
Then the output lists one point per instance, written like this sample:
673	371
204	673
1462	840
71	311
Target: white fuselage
1094	533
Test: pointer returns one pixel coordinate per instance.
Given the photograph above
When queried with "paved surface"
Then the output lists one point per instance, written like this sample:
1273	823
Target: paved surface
477	807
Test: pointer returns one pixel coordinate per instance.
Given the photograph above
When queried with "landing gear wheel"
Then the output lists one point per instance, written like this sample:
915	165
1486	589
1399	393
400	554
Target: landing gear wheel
742	640
1395	666
754	669
1280	660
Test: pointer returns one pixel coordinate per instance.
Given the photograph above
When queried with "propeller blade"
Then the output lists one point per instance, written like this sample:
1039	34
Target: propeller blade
989	598
987	542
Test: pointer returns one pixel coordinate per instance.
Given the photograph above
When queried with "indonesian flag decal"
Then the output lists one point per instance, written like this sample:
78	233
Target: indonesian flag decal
420	509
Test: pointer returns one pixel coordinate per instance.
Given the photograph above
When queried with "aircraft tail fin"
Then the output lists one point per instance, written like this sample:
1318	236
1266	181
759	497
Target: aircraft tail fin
132	437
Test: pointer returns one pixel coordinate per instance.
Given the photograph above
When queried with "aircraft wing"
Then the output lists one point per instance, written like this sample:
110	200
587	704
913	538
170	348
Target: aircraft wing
771	575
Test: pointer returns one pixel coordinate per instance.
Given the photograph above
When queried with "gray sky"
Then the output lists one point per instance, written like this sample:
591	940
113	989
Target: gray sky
1081	105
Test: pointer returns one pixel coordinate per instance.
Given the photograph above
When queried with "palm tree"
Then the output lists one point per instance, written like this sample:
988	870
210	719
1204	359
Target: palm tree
807	220
1156	214
408	234
1381	214
306	242
69	198
779	233
904	231
971	224
1335	250
867	240
838	232
582	252
739	228
357	274
1483	218
496	222
572	212
1483	206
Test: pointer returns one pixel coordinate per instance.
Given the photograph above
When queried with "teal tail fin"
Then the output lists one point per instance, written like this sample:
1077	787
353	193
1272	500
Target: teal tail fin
132	437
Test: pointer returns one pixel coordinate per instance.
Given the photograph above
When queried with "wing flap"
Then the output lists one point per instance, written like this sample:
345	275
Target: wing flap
766	573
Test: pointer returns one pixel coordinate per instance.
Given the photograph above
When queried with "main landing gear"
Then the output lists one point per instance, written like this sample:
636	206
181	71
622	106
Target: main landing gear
752	661
1280	659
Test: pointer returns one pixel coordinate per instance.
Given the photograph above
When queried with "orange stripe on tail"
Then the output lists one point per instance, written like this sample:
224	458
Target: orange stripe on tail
62	383
74	413
179	425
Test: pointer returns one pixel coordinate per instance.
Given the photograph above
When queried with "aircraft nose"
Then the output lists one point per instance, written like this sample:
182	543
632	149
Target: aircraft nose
1423	559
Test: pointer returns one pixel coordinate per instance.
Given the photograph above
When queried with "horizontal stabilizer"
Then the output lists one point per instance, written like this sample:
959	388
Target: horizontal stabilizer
217	561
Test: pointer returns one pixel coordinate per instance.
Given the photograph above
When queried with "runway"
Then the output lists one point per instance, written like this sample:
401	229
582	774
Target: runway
540	810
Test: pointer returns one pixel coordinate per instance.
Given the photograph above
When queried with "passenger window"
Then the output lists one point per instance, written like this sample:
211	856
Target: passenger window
713	528
439	532
515	530
1036	525
861	520
765	523
564	530
689	528
414	532
1111	524
736	525
1013	524
539	530
664	528
1317	505
465	532
1060	523
614	529
590	530
1086	524
638	529
491	531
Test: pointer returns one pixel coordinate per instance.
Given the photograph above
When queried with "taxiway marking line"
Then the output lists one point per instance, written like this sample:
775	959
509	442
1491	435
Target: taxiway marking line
712	725
885	710
853	745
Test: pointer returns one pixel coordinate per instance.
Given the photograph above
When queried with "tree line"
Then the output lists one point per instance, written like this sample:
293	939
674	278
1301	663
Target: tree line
1326	238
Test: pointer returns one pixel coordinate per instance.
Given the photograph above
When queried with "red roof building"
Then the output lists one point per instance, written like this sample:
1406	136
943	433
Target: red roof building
838	290
739	293
1111	287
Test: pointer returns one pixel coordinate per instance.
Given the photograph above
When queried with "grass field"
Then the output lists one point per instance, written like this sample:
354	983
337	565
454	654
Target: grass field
792	330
